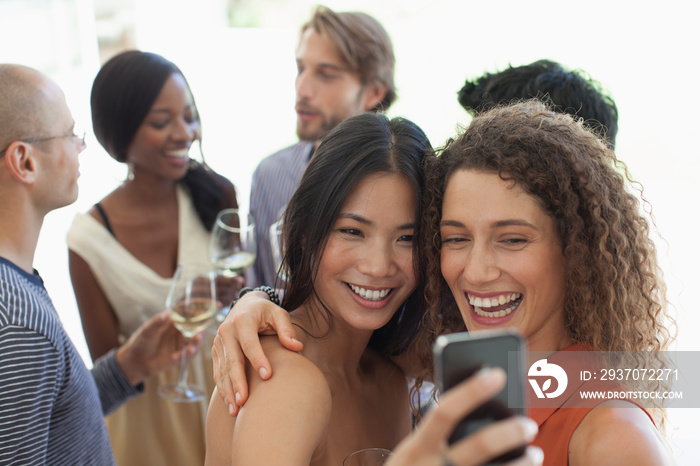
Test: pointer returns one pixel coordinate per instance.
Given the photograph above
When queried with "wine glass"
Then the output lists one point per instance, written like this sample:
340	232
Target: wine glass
367	457
277	249
232	245
192	305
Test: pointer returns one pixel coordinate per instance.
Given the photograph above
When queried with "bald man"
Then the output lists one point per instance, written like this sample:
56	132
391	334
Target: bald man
51	405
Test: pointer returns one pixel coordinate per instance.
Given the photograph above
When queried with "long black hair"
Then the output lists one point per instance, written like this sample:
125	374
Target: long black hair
358	147
123	93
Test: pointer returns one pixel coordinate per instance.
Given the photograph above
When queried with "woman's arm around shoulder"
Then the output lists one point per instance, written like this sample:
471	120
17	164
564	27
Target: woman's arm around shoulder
618	433
284	420
238	339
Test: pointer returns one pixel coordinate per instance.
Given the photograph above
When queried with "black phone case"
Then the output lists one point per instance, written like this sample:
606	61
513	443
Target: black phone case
458	356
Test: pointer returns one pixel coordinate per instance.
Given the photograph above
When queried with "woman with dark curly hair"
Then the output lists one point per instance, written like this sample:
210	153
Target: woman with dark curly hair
529	225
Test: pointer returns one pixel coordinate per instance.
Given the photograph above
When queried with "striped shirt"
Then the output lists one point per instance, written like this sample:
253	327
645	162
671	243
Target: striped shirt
51	407
274	182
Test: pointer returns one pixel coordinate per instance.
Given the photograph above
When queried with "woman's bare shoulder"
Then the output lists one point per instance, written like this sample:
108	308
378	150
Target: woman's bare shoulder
618	432
290	410
115	204
293	373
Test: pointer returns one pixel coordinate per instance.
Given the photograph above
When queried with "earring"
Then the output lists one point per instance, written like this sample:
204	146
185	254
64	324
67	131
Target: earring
130	172
194	149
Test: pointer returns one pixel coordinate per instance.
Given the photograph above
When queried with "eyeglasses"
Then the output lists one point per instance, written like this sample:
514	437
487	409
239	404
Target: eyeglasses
80	135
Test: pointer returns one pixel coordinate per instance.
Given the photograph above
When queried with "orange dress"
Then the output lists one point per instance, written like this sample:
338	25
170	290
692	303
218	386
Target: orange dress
557	420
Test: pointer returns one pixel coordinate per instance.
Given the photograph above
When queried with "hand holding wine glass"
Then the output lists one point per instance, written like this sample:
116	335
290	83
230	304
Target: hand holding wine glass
193	306
154	347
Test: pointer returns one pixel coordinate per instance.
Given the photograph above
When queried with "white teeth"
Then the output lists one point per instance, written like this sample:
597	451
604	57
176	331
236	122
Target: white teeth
371	295
479	311
179	153
493	302
480	304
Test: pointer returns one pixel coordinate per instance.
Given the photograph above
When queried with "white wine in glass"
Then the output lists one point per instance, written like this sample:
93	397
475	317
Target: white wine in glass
193	317
193	307
277	248
234	264
232	244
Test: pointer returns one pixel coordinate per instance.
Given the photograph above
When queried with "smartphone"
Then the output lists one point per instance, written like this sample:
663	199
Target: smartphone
458	356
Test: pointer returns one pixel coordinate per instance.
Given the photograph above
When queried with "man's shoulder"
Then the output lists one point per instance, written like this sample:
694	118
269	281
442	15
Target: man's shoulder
32	338
283	157
14	293
25	305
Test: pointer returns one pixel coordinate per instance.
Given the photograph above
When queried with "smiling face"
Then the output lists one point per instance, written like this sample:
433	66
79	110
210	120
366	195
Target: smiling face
327	92
502	259
366	271
161	145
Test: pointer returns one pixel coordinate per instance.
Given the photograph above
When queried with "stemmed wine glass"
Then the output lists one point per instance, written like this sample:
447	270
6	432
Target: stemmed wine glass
277	248
232	245
192	305
368	457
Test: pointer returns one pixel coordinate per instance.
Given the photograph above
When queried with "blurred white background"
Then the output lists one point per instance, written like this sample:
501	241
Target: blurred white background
239	58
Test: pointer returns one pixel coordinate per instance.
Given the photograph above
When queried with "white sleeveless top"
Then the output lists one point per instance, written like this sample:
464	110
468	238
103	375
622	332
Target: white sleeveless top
149	430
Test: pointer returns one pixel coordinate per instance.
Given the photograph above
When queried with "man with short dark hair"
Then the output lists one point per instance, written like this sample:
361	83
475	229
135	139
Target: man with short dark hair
572	92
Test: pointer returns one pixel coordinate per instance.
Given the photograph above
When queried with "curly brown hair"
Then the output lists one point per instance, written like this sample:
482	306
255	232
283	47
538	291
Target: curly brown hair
615	296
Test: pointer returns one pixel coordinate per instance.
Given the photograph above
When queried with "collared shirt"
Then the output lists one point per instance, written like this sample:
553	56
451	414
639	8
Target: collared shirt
274	182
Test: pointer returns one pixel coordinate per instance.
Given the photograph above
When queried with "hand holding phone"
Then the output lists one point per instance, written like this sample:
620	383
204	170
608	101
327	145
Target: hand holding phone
426	444
458	356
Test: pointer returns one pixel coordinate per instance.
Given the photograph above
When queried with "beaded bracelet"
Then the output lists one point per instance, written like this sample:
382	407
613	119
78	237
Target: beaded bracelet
274	297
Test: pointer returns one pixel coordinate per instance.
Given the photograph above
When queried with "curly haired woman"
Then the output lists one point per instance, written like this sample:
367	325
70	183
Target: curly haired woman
530	226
